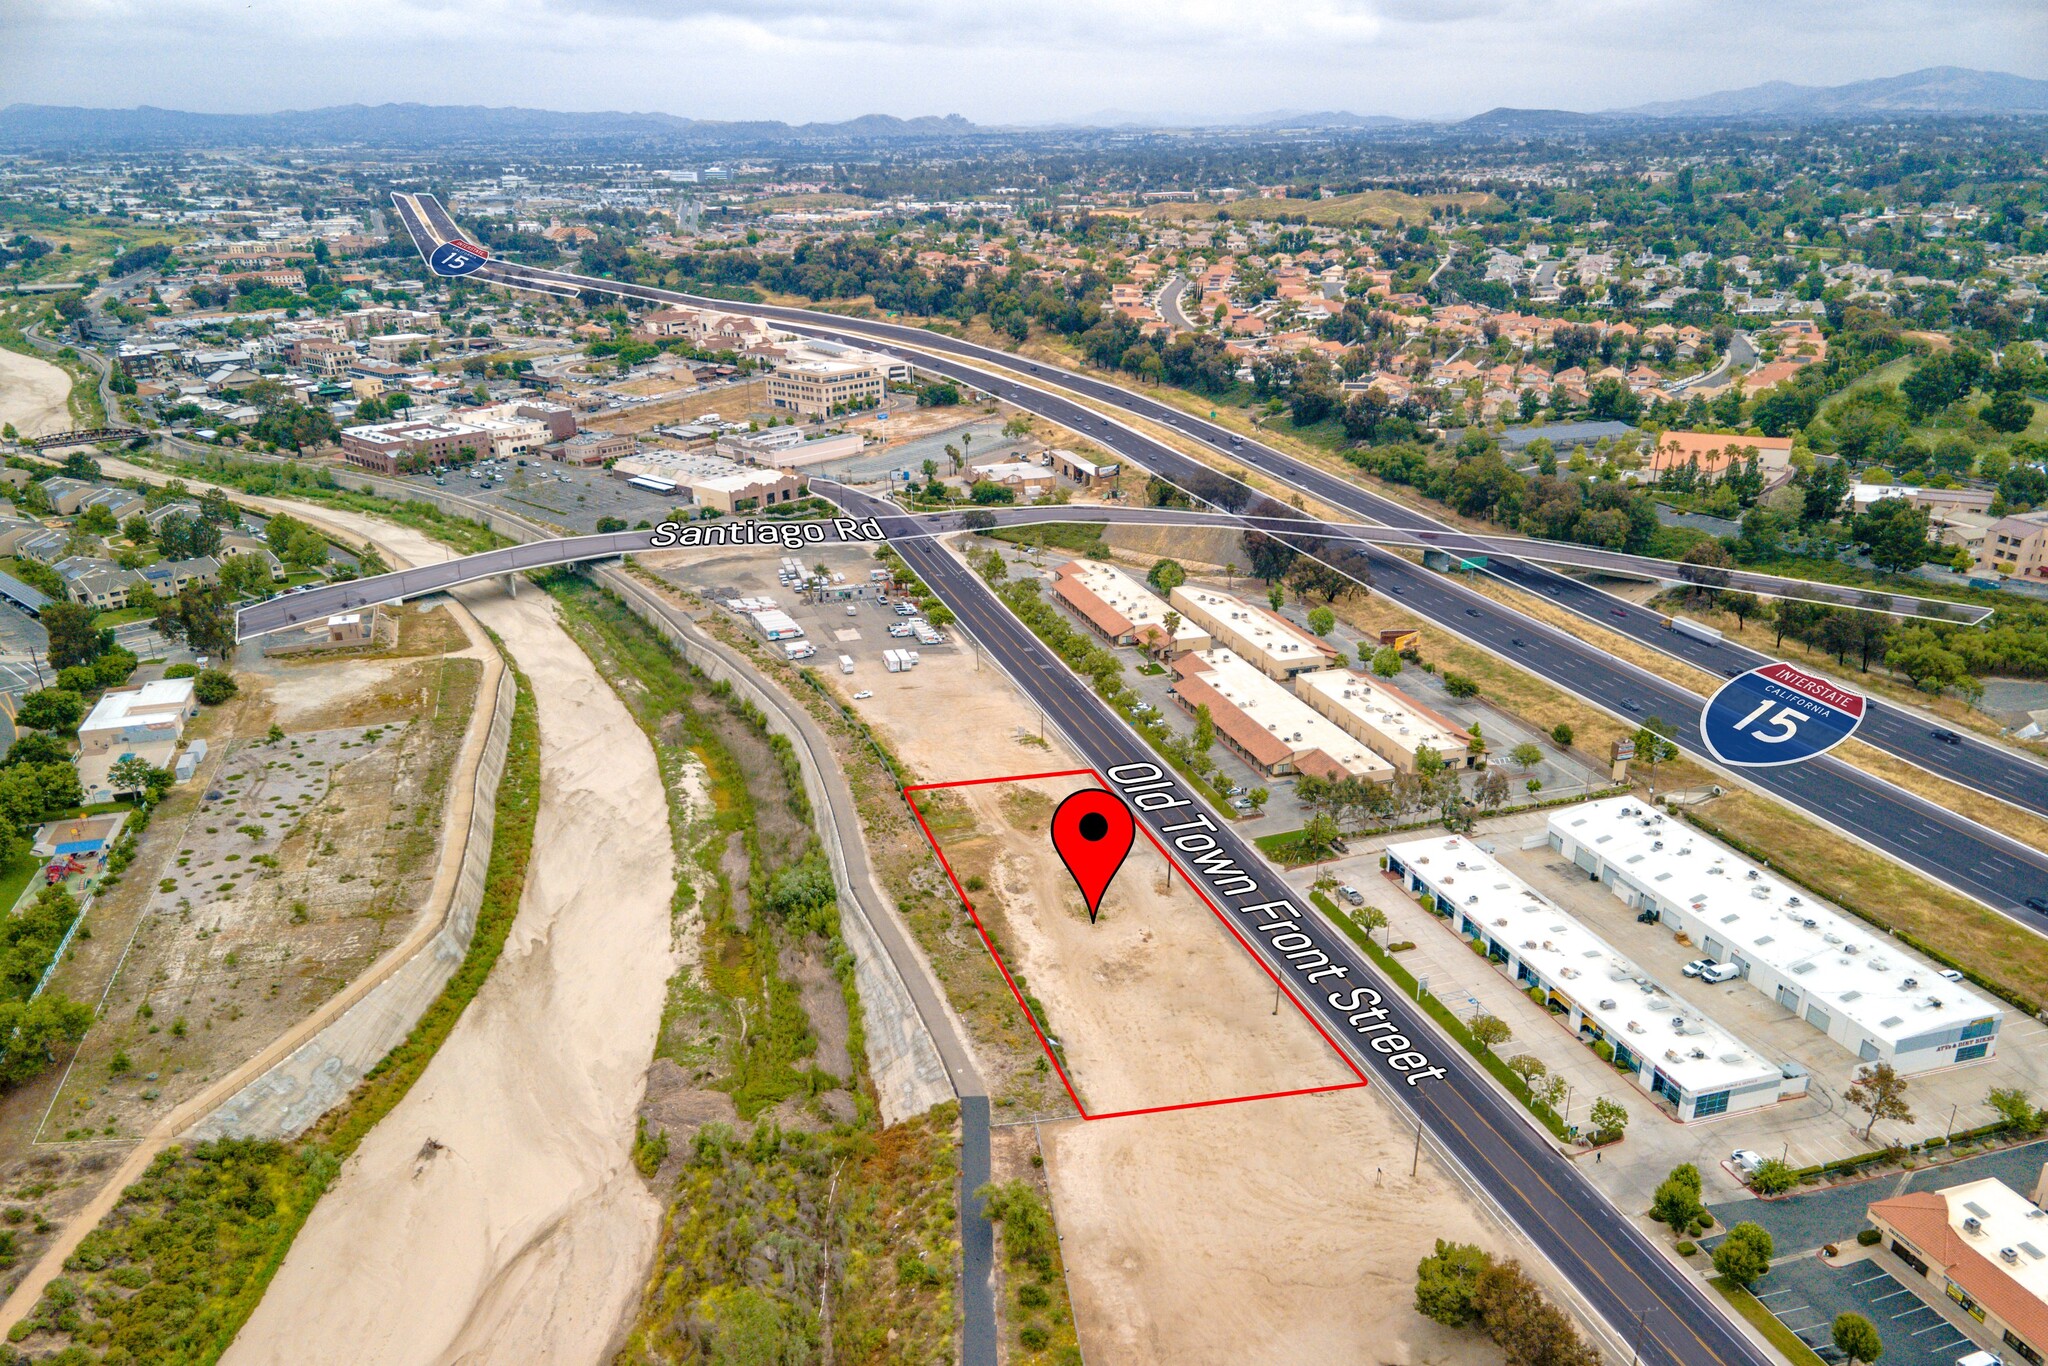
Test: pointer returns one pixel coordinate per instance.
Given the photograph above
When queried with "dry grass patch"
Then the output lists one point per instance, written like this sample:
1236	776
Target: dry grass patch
2000	951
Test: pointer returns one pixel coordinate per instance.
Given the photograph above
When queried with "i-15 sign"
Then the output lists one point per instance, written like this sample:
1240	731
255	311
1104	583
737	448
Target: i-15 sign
1777	714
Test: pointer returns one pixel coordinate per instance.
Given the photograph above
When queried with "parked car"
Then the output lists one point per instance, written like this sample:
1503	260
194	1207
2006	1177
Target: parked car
863	695
1339	846
1698	966
1746	1161
1352	895
1241	804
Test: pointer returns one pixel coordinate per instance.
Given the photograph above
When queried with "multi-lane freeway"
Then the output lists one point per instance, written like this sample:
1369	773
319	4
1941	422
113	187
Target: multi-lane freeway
1973	859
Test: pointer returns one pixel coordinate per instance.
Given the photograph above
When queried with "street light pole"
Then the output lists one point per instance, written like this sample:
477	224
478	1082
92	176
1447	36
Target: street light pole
1635	1346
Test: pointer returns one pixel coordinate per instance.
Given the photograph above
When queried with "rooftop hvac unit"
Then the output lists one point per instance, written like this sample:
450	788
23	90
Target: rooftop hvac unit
1809	922
1528	943
1831	938
1910	983
1754	875
1473	900
1973	1225
2009	1254
1699	1052
1794	900
1607	1004
1635	1028
1656	845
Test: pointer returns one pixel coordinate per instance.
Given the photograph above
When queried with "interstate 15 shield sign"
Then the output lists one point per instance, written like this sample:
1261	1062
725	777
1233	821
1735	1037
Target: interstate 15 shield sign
457	258
1776	714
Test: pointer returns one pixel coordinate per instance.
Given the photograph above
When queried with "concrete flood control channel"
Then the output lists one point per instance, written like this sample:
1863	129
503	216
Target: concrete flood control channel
1805	1294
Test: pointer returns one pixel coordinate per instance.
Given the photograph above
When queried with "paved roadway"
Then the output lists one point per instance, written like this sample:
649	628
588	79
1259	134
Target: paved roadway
1169	304
1611	1263
1957	851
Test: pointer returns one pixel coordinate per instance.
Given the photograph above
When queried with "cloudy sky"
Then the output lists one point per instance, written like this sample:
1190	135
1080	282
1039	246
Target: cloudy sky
990	60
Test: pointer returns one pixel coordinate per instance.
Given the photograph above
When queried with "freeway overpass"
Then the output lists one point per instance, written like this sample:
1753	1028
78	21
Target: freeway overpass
311	604
1925	835
1995	770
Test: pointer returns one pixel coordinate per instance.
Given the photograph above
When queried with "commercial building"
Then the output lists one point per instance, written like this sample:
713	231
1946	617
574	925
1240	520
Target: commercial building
133	716
1087	473
1394	724
1671	1050
1267	726
1021	477
1277	646
1866	993
395	447
822	387
1983	1246
789	447
1120	609
592	448
745	490
775	624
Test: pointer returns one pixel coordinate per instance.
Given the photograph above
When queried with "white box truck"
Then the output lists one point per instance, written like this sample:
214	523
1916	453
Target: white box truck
798	649
846	664
893	661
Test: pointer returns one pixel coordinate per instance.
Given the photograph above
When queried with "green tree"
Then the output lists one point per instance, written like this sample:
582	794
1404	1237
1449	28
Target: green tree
1458	685
57	709
1488	1031
2016	1108
2007	412
1525	756
1856	1339
73	639
1744	1256
1445	1281
1276	597
1369	918
1165	576
1880	1092
1676	1200
1386	661
1205	731
98	520
131	775
1773	1176
32	1031
1322	621
608	524
1609	1117
1561	735
245	576
1319	836
1653	749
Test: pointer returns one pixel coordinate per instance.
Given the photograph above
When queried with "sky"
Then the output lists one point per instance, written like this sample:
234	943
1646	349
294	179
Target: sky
992	61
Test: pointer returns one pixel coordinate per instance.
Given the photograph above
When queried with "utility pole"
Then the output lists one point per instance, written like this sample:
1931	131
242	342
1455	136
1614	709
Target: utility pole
1635	1346
1415	1163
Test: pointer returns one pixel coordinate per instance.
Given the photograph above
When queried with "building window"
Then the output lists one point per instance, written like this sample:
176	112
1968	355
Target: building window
2022	1346
1972	1052
1978	1029
1714	1103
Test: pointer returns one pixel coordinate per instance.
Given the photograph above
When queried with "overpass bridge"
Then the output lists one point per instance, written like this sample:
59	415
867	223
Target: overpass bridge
307	605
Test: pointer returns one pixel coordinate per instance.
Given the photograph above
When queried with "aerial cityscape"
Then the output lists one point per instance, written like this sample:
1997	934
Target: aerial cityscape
865	687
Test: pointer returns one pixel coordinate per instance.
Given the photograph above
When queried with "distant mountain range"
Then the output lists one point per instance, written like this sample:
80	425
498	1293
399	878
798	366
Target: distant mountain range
1935	91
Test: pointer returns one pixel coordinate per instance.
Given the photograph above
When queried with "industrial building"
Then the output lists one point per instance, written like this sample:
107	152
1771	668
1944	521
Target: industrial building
1278	647
1982	1245
1119	608
1394	724
1267	726
1865	992
1671	1050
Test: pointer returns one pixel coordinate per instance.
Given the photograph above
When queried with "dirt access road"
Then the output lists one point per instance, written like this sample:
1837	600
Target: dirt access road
495	1214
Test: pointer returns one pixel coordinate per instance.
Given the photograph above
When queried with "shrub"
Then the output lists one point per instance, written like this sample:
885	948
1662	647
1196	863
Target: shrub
213	686
1561	735
1603	1050
1458	685
1869	1237
1034	1336
1687	1247
1772	1177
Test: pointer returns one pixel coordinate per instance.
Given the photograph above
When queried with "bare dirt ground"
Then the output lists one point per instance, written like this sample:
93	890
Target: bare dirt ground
495	1215
1282	1231
1155	1003
33	394
1302	1207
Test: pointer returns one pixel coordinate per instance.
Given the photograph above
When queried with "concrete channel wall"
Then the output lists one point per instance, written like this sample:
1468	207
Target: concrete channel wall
286	1100
909	1075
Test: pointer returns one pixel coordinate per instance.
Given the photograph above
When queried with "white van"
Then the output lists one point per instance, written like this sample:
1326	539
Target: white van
1720	972
846	664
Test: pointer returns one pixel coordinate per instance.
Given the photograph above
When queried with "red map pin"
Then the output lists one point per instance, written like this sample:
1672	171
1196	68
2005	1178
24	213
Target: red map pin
1092	832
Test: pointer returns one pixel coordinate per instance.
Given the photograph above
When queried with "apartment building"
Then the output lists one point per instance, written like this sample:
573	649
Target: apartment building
1391	722
1260	721
1277	646
1880	1002
2013	545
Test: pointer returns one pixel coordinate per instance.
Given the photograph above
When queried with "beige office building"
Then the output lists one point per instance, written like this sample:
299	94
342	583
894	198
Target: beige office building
818	387
1278	647
1394	724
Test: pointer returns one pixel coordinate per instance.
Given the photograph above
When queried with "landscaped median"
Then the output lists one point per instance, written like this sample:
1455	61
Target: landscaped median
1765	1322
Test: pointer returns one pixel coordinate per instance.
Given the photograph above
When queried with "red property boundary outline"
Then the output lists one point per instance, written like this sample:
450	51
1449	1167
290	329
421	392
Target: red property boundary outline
1032	1018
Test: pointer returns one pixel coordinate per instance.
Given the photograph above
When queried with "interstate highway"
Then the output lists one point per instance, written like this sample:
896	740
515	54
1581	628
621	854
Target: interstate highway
1957	851
1609	1262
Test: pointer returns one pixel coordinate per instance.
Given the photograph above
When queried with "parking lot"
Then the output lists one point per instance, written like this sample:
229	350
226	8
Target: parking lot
564	495
1806	1294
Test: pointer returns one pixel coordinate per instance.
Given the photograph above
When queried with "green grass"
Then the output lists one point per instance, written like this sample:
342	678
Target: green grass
1760	1318
14	879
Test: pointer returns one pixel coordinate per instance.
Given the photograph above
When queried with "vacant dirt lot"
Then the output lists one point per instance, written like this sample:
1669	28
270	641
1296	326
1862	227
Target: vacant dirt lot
33	394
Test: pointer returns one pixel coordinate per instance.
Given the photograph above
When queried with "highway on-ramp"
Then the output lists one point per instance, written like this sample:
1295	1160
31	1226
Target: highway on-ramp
1953	849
